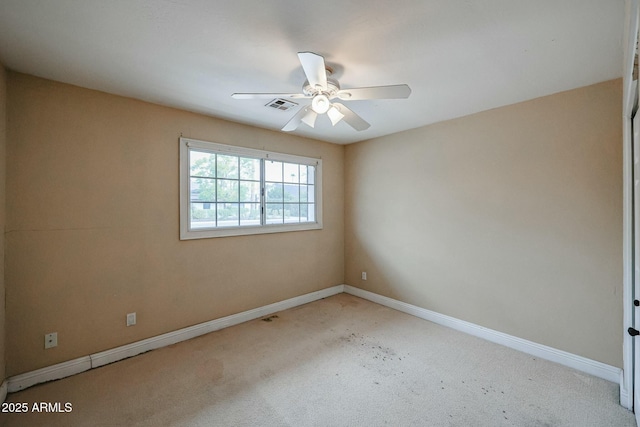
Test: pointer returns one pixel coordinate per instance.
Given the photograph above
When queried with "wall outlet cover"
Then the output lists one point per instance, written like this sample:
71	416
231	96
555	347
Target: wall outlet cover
51	340
131	319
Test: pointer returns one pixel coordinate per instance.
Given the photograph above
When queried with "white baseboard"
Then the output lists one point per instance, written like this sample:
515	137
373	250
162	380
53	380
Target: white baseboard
72	367
49	373
129	350
591	367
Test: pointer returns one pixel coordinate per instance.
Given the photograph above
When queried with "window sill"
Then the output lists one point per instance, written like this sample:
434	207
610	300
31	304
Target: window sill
246	231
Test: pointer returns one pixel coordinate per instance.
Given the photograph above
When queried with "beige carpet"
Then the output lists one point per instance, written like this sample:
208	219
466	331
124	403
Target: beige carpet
341	361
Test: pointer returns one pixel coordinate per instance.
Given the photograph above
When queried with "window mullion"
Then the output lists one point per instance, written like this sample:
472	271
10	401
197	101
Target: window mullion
263	191
215	173
239	204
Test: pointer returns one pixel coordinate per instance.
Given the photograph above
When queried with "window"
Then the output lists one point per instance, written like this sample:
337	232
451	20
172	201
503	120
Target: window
229	191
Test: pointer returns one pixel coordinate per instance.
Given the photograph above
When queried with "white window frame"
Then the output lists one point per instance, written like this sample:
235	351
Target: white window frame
186	233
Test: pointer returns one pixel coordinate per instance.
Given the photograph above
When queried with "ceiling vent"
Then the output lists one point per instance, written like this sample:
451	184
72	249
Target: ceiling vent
281	104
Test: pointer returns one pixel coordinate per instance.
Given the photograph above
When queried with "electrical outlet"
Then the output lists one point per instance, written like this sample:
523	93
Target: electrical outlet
51	340
364	275
131	319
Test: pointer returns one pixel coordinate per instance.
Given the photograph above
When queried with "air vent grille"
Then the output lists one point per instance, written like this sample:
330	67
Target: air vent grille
281	104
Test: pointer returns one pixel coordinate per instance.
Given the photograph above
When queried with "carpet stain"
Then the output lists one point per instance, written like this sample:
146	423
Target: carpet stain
267	373
350	302
212	369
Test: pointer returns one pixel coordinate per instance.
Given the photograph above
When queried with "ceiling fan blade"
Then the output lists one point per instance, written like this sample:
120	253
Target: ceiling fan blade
352	119
268	95
375	92
296	119
314	68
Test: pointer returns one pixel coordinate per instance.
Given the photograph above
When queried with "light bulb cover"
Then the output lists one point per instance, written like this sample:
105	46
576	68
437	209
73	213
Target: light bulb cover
309	118
320	103
334	115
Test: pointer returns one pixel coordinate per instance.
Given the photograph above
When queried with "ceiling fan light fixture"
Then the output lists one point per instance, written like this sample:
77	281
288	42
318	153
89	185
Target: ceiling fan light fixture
334	115
321	88
310	118
320	104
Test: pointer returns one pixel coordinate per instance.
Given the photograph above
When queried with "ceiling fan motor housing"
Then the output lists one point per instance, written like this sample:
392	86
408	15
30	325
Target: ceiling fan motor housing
332	88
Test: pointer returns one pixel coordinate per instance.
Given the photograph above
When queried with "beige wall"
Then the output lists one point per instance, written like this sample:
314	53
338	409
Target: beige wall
92	225
3	144
510	219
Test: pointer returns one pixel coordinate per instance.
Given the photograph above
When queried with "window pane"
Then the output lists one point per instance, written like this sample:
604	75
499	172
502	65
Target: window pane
249	191
274	192
304	213
311	174
203	215
228	214
291	212
273	171
303	193
202	164
275	213
203	190
312	212
291	193
250	214
249	169
310	193
227	166
291	173
227	190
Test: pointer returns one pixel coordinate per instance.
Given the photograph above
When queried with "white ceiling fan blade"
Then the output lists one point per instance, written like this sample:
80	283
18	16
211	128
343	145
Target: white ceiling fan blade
375	92
352	119
295	120
268	95
310	118
314	69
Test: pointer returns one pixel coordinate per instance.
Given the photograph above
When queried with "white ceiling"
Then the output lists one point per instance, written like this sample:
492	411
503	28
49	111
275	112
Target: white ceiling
458	57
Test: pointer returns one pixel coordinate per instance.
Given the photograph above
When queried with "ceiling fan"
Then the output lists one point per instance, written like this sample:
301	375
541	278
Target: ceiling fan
322	90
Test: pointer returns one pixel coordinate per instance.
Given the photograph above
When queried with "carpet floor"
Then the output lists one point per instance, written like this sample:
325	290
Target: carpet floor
340	361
